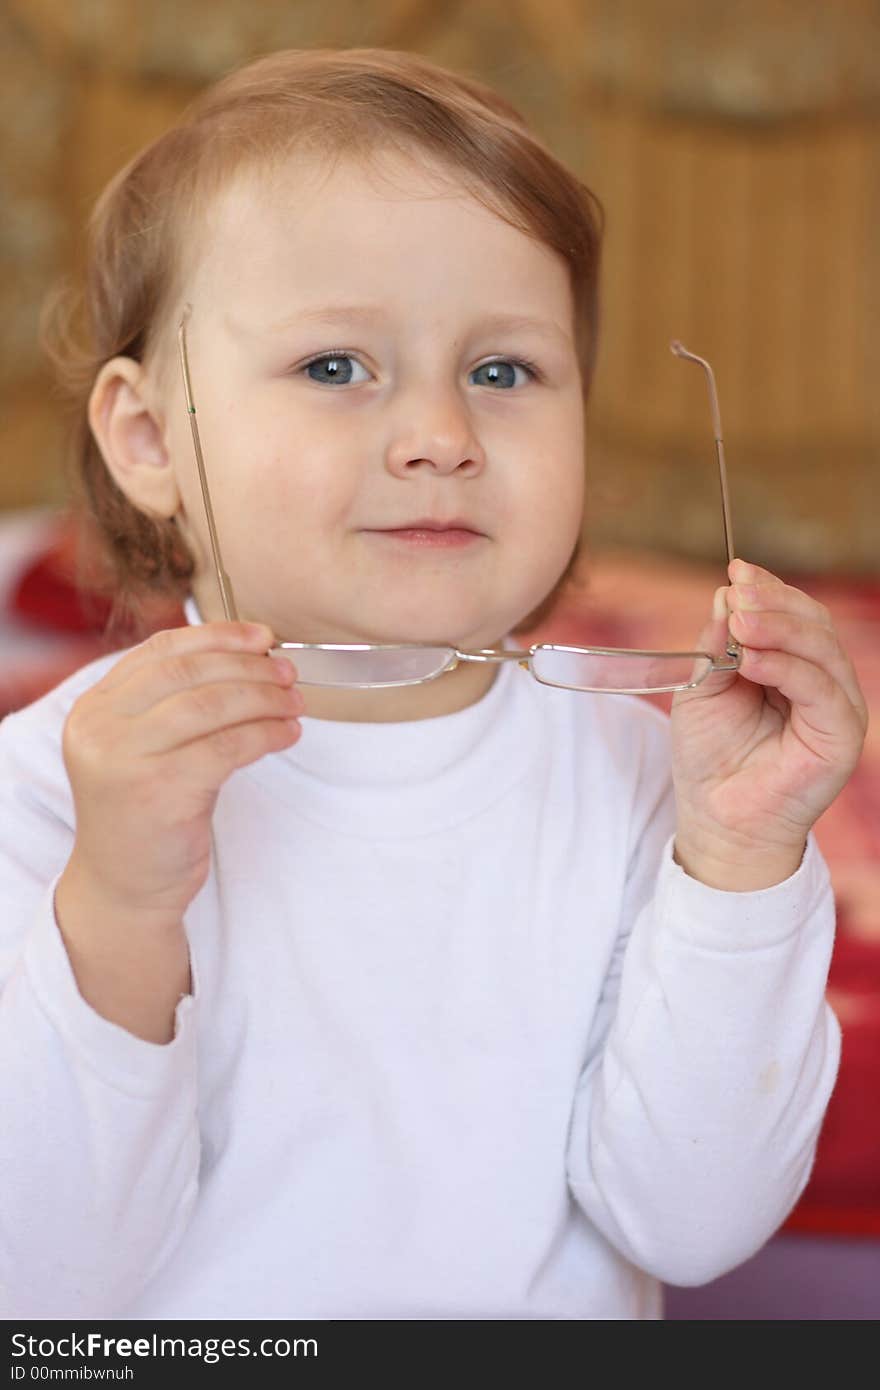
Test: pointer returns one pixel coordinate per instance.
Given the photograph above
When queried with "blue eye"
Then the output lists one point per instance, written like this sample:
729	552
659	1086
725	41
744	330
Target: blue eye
334	363
503	370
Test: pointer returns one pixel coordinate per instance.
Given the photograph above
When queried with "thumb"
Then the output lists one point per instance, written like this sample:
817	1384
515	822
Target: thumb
713	634
720	615
712	638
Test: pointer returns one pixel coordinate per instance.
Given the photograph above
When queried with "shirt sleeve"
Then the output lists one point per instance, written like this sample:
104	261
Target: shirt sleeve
711	1061
99	1142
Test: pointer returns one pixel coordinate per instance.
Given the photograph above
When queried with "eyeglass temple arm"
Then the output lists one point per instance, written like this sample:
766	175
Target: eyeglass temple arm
226	595
733	646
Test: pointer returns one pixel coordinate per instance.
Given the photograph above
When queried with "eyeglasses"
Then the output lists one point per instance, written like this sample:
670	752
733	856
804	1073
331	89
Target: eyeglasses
368	666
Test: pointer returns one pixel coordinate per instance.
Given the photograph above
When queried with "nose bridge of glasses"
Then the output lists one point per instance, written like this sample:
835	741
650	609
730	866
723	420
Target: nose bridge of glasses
489	654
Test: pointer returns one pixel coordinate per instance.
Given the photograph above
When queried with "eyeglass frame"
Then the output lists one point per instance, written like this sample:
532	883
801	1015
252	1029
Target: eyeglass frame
523	657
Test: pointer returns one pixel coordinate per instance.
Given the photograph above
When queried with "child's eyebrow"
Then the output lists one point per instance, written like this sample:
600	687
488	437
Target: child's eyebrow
371	313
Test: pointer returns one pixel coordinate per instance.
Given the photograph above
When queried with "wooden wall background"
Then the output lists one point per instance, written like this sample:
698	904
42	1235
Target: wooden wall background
736	150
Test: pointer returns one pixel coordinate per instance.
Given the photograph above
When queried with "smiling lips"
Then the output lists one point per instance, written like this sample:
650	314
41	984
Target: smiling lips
429	532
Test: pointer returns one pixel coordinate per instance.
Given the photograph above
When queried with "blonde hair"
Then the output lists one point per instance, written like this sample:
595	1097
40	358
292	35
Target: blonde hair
329	101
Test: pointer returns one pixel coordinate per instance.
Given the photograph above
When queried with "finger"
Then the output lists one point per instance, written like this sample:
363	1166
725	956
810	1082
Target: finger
798	637
155	680
822	714
206	710
196	637
715	634
220	753
746	572
784	598
711	639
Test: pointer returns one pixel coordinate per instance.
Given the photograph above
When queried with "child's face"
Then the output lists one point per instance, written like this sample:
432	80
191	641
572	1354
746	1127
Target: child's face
305	465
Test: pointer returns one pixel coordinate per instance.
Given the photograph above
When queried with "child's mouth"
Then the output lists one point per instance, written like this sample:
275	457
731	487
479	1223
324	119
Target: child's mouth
451	536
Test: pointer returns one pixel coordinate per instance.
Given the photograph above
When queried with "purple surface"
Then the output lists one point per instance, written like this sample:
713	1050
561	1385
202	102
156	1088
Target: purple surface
793	1278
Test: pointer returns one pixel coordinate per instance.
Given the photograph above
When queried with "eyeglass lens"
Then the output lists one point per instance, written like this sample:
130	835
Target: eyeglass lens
619	672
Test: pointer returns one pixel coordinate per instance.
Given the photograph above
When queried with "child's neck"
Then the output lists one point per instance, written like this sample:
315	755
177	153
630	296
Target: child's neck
453	691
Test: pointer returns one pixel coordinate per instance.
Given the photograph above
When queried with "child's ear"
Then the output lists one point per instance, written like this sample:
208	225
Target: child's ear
130	437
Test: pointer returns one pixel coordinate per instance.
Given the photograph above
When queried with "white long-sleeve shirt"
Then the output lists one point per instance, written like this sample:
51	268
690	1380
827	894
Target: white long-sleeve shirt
464	1041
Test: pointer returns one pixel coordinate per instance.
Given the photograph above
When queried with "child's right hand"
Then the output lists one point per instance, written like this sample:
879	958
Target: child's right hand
148	748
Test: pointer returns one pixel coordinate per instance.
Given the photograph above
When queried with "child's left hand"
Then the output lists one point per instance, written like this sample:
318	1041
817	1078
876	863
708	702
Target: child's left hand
759	754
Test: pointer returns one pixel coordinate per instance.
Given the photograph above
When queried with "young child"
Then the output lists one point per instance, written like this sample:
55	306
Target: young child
471	998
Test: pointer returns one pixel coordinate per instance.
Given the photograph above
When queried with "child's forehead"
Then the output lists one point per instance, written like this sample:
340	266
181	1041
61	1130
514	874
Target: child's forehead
353	195
301	187
357	218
